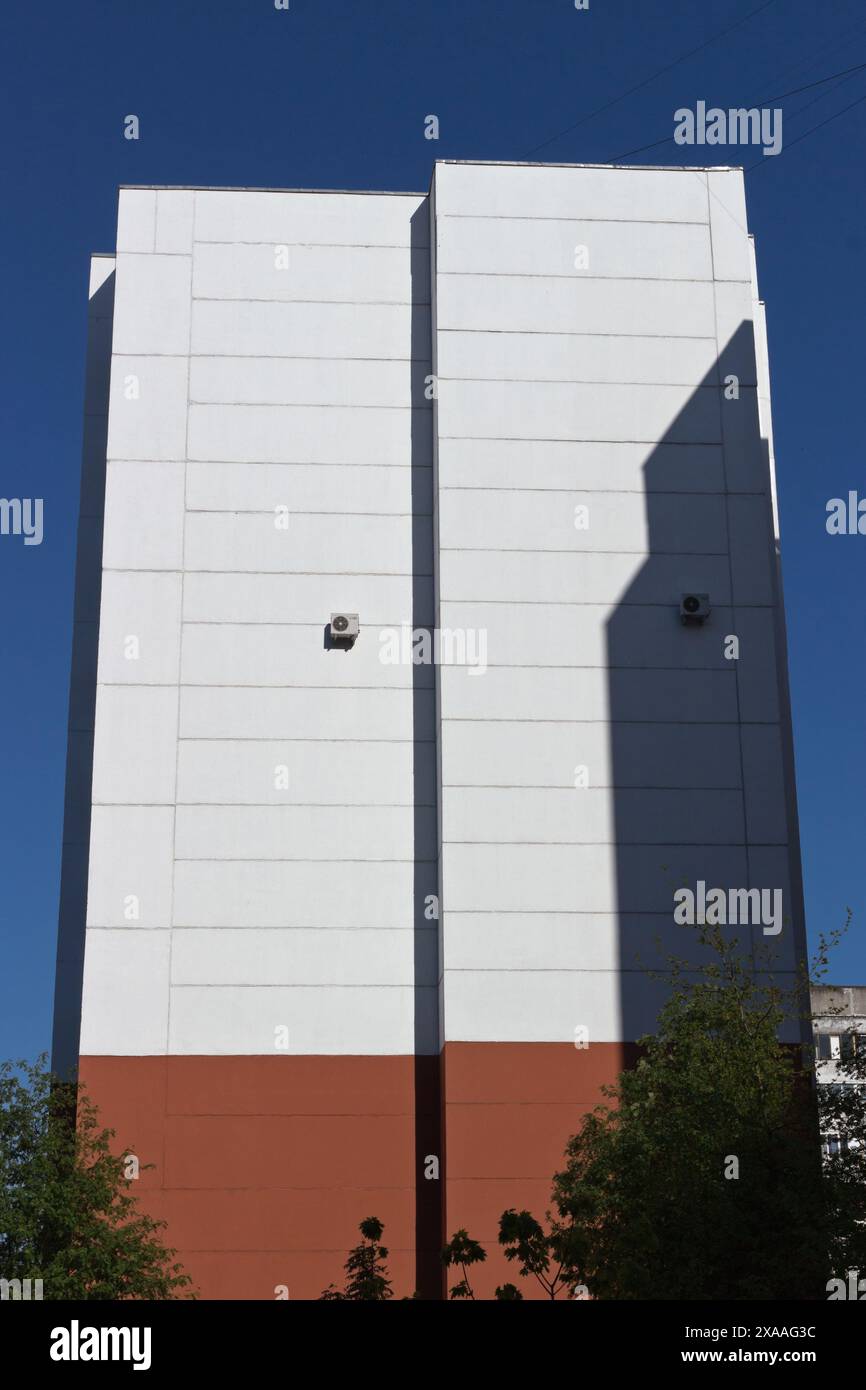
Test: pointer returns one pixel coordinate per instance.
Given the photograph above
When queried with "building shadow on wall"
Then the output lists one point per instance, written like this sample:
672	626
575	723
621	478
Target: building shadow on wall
428	1130
701	755
82	690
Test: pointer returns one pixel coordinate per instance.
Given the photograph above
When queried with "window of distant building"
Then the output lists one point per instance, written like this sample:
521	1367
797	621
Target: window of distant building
833	1144
836	1047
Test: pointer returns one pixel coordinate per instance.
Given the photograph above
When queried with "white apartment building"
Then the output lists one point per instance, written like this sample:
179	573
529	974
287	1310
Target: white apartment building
345	932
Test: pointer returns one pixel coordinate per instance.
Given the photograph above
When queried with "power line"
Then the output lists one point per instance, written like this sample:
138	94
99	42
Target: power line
844	73
810	131
821	95
822	51
638	87
859	67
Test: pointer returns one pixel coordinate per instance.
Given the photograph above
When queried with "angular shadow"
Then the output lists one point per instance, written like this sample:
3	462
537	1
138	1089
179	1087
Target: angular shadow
82	691
701	751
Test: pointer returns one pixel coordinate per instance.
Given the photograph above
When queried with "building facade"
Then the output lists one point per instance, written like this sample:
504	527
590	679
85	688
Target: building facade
839	1028
360	930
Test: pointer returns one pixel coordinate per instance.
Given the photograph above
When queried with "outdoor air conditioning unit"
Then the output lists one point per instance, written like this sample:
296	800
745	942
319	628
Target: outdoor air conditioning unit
694	609
343	629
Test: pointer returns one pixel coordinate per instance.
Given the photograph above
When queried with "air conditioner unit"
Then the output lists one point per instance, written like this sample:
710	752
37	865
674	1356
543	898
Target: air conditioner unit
694	609
344	629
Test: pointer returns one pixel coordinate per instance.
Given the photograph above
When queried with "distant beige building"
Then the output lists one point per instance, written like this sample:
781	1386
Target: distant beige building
839	1013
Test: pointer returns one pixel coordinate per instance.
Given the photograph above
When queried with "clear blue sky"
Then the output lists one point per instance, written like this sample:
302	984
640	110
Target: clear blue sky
333	93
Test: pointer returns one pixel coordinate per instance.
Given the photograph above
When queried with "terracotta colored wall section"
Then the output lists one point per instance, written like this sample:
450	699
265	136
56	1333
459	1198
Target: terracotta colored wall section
509	1109
264	1166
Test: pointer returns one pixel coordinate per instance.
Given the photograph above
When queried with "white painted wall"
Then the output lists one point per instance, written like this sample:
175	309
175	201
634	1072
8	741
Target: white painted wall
561	386
239	387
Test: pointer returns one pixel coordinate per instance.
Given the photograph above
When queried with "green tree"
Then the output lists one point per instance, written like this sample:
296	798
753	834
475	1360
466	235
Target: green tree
508	1293
539	1255
462	1251
701	1178
366	1273
67	1213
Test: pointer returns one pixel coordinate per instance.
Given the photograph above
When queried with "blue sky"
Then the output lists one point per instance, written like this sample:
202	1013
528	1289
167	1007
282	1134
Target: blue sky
333	93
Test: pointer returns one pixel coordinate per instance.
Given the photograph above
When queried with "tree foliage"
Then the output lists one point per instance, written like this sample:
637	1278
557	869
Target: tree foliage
701	1177
366	1273
68	1215
462	1251
539	1254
